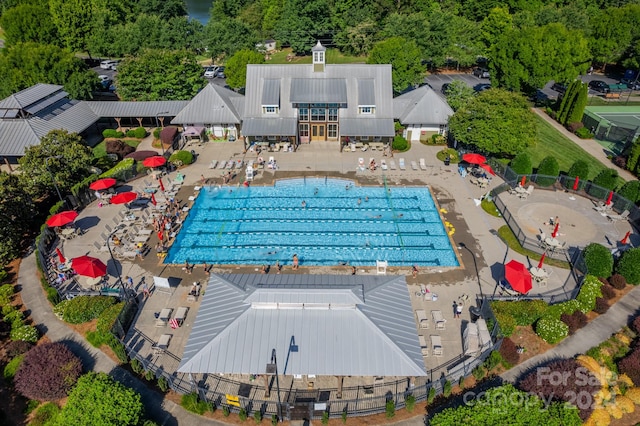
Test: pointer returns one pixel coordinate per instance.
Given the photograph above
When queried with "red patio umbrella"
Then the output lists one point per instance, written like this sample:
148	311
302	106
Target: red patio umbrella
542	260
60	256
124	197
101	184
626	237
518	276
488	168
62	218
155	161
523	180
609	198
576	183
153	199
161	184
555	230
474	158
88	266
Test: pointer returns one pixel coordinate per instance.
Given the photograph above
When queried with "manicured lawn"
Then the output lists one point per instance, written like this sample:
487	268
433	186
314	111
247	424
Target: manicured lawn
552	142
100	150
333	57
505	233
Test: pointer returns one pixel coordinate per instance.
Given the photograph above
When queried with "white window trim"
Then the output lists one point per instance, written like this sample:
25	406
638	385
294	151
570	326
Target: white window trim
329	126
276	109
366	109
272	138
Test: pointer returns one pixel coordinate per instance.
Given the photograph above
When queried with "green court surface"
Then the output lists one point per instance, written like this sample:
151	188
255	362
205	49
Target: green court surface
614	126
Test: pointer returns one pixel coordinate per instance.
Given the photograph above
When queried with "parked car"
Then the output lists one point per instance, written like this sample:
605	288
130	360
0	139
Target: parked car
481	72
631	84
599	86
109	65
210	72
481	87
220	73
559	87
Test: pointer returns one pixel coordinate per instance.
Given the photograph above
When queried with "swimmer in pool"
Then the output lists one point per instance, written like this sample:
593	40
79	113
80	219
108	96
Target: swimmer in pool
304	204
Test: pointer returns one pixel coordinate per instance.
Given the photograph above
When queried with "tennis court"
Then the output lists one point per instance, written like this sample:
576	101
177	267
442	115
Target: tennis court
613	126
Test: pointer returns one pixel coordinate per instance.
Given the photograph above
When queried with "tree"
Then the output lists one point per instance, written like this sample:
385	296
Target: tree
48	372
236	70
357	39
26	64
548	167
521	164
404	57
302	23
16	211
225	37
526	59
634	156
73	19
611	35
569	98
97	399
458	94
497	22
165	9
579	168
495	121
629	266
28	22
159	75
631	191
598	260
577	107
69	169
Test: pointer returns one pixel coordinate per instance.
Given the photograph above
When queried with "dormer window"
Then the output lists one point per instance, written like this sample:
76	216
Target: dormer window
270	109
318	57
366	110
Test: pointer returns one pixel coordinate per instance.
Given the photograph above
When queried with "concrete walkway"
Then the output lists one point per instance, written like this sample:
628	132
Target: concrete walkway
597	331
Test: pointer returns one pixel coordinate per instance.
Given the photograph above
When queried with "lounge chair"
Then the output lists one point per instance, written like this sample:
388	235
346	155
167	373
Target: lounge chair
616	217
383	164
421	316
361	164
436	345
222	164
381	267
392	164
423	166
438	320
401	164
414	165
423	345
213	164
230	164
162	344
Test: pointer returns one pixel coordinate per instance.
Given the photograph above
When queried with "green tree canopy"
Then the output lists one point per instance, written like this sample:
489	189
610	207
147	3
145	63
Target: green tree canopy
629	266
16	212
526	59
26	64
28	22
225	37
495	121
67	170
611	34
548	167
521	164
458	94
579	168
236	69
73	19
302	23
631	191
598	259
404	57
159	75
97	399
498	22
165	9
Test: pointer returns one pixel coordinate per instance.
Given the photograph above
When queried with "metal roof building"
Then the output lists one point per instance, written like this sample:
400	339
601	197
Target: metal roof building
339	325
214	104
421	106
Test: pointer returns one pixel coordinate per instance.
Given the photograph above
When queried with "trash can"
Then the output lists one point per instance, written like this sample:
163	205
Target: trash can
447	160
475	313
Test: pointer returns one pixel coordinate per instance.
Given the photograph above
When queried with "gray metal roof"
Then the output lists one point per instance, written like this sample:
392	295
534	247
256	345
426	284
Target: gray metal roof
136	109
366	92
367	127
28	96
318	47
271	92
275	126
329	90
421	106
212	105
341	325
15	136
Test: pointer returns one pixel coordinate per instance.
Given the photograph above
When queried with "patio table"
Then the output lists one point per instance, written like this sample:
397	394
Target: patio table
552	242
538	273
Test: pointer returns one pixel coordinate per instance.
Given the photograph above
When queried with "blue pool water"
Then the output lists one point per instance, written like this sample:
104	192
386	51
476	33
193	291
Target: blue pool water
262	225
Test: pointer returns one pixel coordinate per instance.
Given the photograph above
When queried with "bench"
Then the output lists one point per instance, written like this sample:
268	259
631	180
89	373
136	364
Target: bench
612	95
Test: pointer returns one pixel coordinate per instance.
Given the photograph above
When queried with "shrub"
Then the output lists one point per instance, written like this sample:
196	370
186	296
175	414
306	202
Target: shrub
12	366
136	366
479	372
630	191
8	308
344	416
242	414
620	161
602	305
590	289
112	133
548	167
629	266
17	347
7	290
584	133
156	133
437	139
607	179
27	333
226	411
635	326
119	148
573	383
191	402
149	375
524	312
630	365
608	292
48	372
509	352
493	360
573	127
521	164
84	308
5	329
446	389
15	318
507	323
551	330
163	384
568	307
410	402
390	409
598	260
574	321
119	169
618	281
45	414
180	158
325	418
431	395
579	168
399	143
138	133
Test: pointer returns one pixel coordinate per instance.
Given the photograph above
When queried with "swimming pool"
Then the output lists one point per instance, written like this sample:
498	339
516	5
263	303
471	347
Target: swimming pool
324	221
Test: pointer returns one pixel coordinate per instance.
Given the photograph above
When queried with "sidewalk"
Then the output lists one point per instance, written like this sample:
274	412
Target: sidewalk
589	145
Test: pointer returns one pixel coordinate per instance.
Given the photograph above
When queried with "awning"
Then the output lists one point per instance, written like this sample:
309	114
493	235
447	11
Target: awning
269	127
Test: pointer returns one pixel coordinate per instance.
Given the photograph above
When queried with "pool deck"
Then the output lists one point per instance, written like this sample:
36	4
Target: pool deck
479	249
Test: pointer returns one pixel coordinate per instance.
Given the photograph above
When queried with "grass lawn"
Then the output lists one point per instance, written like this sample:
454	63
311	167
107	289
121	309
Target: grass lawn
505	233
552	142
100	150
333	56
